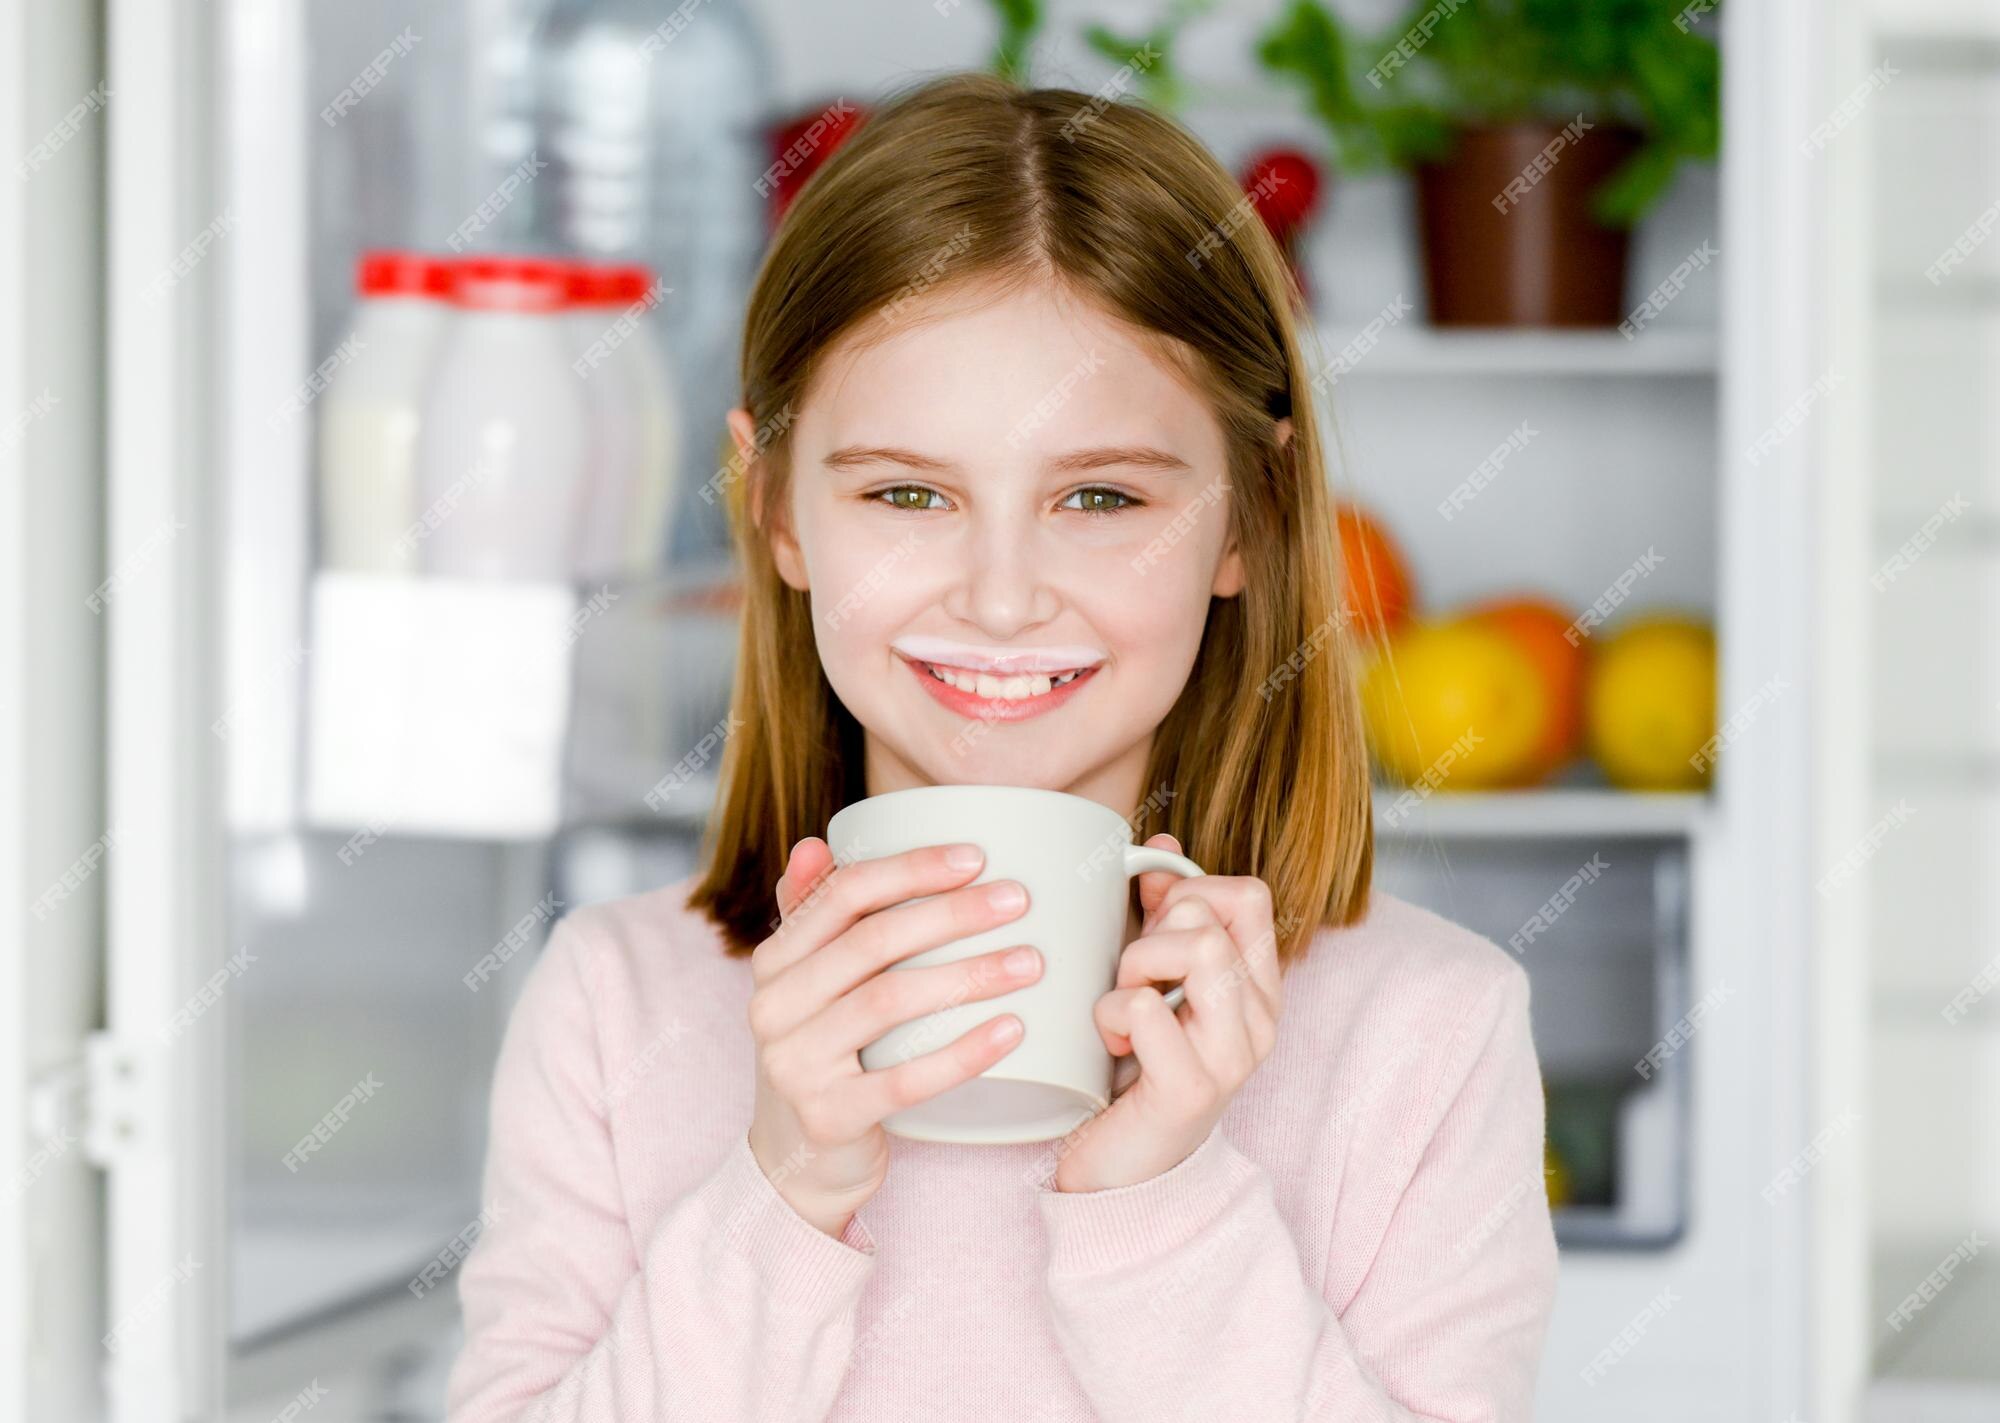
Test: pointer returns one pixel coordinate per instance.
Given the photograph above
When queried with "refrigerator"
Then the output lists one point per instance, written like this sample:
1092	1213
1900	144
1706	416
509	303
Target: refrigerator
255	1092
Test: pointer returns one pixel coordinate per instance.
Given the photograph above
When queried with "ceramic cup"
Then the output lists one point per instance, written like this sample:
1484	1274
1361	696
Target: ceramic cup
1077	859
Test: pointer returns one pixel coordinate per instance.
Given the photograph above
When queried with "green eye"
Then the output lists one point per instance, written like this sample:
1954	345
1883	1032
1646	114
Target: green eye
1096	500
907	496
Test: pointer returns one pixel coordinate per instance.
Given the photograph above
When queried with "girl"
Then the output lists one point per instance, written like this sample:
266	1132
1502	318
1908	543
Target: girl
1022	398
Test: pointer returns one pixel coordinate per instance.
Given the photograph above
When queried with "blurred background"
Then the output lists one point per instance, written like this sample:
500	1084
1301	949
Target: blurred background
368	604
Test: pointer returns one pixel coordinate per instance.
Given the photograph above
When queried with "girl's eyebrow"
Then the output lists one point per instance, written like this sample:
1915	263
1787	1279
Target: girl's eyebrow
1103	455
1097	457
848	455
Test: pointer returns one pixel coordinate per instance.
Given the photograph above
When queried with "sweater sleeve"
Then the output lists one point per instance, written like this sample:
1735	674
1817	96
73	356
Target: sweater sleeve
1183	1296
735	1309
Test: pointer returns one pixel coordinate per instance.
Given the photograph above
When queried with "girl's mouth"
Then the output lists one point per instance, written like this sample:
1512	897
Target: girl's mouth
983	696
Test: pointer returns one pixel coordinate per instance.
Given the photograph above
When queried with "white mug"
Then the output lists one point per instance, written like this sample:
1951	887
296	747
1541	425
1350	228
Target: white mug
1076	859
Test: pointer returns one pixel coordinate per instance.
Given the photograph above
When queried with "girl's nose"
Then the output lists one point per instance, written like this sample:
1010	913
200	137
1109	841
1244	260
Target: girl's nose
1001	585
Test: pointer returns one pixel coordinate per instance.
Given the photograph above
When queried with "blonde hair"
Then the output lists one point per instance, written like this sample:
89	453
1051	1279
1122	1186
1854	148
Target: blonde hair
1261	757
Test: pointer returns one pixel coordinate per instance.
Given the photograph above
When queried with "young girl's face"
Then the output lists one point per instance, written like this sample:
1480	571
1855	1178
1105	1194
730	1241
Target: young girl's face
1006	488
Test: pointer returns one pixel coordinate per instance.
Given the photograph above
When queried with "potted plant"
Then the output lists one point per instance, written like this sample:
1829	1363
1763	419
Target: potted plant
1538	131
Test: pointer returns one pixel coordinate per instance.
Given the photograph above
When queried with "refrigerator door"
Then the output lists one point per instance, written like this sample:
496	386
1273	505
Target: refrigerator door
154	1123
53	856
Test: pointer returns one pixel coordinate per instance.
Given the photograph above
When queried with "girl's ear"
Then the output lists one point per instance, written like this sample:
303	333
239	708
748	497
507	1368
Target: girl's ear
1229	573
777	531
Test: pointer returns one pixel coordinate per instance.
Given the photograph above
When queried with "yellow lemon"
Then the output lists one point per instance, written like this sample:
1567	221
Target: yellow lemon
1650	704
1555	1175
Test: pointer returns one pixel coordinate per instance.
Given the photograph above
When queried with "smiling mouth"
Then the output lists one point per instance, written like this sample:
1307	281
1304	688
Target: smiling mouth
1016	688
987	696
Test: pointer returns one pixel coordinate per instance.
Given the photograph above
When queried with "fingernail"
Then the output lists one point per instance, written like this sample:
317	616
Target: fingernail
1006	895
1006	1029
1021	961
963	857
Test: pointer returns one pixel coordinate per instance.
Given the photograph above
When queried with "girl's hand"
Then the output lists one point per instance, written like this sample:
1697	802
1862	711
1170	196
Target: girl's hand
821	994
1215	933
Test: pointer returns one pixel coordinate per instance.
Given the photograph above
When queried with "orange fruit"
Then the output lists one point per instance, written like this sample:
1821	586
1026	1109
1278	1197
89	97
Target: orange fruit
1539	627
1454	703
1650	703
1376	585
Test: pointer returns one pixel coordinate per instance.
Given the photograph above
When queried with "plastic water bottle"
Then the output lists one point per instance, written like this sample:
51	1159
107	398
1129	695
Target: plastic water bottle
504	442
650	116
634	423
370	417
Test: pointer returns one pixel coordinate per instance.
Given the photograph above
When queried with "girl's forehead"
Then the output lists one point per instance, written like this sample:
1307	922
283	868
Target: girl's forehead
1029	359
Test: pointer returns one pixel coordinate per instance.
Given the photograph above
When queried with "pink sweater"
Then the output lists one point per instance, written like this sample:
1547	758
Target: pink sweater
1364	1235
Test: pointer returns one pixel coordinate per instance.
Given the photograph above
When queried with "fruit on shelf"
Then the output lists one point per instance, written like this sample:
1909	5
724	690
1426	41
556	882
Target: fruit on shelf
1283	185
1650	703
1540	629
1376	589
1555	1175
1454	704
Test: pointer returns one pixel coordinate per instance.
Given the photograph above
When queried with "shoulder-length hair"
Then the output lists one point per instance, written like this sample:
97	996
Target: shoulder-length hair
1261	759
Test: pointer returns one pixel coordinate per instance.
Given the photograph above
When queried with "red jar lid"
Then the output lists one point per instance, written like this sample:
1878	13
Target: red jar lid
604	284
390	273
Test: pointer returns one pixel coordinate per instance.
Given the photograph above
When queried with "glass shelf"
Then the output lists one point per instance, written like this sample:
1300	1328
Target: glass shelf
1418	350
1542	813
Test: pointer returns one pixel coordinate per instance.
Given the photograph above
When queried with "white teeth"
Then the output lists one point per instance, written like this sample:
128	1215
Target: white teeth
1006	689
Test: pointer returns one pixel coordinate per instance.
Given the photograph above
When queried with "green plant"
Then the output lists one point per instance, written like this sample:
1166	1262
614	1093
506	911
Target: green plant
1020	20
1399	97
1152	54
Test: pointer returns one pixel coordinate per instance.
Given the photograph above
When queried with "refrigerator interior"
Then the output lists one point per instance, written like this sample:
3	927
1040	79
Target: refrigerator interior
1608	973
354	939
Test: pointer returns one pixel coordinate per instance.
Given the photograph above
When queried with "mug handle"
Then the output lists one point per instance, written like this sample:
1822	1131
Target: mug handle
1139	859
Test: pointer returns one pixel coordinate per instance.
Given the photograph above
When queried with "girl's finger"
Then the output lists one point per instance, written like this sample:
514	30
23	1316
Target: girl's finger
1217	987
1112	1014
1168	956
1166	1057
1153	884
1145	961
1242	905
809	861
1214	1014
916	997
849	893
1162	958
863	1100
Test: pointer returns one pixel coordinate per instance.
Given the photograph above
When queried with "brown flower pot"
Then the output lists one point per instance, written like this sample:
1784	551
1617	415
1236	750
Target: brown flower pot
1507	233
